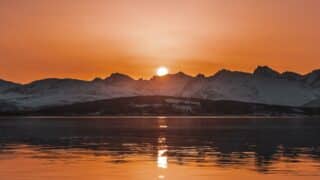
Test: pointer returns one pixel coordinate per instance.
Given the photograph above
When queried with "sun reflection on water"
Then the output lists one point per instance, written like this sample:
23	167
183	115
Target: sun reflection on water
163	126
162	158
195	148
162	123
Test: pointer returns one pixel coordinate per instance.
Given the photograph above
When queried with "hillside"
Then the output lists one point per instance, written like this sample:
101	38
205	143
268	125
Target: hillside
163	105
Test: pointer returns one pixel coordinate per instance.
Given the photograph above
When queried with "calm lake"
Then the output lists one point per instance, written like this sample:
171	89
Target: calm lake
99	148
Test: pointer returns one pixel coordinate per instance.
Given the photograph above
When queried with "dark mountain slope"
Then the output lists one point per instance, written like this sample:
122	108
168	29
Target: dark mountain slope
163	105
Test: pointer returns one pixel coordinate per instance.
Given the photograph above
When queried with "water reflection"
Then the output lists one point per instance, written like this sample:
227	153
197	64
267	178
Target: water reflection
163	124
162	159
266	146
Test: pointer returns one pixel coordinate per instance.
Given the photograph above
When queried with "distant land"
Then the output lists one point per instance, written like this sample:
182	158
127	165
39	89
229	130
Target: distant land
265	91
169	106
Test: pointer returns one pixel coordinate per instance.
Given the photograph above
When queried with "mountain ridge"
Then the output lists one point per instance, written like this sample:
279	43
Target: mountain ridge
256	70
264	85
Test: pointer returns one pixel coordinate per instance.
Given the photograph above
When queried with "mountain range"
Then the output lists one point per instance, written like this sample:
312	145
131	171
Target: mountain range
263	86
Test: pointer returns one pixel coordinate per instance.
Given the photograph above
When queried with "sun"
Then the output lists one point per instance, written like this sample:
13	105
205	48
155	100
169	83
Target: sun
162	71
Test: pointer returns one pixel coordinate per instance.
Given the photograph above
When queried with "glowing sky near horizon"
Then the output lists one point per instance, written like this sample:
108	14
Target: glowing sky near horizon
93	38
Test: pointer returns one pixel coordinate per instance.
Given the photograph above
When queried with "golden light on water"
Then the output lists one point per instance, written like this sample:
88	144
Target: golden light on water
162	159
179	152
163	126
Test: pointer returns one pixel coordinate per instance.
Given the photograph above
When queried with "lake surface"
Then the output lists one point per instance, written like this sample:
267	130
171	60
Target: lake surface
159	148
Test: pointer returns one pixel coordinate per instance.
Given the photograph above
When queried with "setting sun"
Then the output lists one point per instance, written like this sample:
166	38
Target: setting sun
162	71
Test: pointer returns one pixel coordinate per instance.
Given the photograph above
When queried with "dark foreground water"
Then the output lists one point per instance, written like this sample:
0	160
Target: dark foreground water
159	148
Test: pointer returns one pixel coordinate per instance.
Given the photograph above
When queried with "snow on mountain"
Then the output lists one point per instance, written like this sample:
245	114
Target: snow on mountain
264	85
170	85
48	91
313	78
313	103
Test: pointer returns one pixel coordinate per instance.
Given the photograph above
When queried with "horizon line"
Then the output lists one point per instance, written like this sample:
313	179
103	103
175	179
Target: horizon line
156	76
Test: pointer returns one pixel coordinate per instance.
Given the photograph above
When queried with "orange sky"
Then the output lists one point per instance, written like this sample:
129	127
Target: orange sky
89	38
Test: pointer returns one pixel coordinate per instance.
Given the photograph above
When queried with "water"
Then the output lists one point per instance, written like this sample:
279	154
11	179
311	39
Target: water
159	148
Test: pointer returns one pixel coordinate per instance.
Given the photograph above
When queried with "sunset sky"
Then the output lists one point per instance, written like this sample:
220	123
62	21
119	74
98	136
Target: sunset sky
84	39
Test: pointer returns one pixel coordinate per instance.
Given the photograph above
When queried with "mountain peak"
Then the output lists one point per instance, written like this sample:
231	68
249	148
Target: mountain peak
178	75
118	77
265	71
222	72
225	73
7	82
200	76
317	71
182	75
291	75
313	77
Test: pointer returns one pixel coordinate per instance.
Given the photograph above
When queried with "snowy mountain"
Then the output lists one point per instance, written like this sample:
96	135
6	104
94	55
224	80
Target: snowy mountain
313	103
264	85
